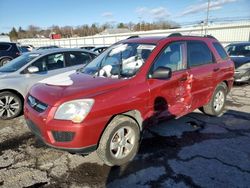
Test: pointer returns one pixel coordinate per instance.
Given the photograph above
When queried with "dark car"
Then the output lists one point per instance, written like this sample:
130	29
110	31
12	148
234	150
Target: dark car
27	48
106	107
47	47
87	47
240	54
9	51
99	50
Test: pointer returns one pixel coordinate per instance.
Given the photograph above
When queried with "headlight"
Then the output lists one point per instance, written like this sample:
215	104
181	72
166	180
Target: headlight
245	66
75	110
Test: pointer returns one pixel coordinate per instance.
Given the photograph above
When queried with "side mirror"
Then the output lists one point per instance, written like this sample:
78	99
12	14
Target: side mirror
33	69
162	73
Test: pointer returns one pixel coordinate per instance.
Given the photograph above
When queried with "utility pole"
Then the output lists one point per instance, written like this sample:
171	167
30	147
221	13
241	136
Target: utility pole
208	7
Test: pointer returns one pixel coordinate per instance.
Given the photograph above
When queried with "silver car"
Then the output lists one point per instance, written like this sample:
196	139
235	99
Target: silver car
20	74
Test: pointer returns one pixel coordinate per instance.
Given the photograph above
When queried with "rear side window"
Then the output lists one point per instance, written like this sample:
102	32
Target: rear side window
198	53
220	50
4	47
77	58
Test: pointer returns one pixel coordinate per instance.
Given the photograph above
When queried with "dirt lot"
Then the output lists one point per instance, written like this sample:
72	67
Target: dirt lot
193	151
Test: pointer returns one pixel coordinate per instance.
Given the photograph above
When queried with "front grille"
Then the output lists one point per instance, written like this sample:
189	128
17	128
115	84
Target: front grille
36	104
63	136
33	128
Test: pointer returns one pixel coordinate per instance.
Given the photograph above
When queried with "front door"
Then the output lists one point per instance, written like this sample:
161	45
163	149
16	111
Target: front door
172	97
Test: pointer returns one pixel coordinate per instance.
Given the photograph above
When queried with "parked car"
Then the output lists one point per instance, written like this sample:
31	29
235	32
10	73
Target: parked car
240	54
87	47
24	49
99	50
9	51
20	74
28	48
131	85
47	47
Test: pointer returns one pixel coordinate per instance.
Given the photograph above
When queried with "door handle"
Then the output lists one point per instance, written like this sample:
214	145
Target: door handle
216	69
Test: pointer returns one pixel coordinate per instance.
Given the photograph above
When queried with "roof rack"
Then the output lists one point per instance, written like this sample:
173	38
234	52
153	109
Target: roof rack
179	35
210	36
175	35
134	36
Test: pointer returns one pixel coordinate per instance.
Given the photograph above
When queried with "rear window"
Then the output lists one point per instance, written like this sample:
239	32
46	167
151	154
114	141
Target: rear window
5	47
220	50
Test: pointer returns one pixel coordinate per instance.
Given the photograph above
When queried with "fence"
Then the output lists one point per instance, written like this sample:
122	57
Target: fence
225	33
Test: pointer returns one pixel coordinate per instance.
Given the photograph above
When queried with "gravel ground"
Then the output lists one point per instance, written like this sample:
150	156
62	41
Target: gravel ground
193	151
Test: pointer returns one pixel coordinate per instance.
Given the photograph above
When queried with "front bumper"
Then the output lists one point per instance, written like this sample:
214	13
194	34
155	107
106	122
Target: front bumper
65	135
242	75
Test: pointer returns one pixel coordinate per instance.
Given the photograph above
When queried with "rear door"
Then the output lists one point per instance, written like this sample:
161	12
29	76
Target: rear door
171	97
202	66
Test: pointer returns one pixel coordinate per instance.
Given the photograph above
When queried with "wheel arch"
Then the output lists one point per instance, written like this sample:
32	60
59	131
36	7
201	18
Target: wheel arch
227	84
133	114
3	57
15	92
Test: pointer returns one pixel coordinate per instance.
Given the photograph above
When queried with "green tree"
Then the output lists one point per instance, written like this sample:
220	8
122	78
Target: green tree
13	34
121	25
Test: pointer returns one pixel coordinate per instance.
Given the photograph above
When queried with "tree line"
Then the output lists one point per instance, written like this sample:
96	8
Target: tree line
33	31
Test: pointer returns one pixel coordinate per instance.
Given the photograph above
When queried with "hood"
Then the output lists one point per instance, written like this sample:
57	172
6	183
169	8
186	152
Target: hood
239	60
73	86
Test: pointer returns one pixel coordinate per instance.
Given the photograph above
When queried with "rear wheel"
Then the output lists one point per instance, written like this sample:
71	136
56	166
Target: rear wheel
119	142
4	61
216	104
10	105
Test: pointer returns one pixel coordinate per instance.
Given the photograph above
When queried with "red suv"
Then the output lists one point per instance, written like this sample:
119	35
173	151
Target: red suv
134	83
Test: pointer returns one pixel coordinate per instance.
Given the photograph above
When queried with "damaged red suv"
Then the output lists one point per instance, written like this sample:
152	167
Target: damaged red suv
106	105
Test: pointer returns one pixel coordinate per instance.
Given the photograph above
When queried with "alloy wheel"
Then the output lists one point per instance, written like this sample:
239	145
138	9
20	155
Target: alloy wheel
219	101
9	106
122	142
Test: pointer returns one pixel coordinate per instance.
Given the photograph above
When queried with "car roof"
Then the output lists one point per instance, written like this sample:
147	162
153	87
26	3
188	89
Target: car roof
155	40
58	50
8	43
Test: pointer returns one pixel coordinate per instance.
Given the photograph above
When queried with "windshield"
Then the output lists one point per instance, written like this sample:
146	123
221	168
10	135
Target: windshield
238	50
18	62
119	61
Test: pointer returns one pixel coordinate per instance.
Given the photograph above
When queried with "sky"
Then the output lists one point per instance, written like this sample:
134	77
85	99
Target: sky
45	13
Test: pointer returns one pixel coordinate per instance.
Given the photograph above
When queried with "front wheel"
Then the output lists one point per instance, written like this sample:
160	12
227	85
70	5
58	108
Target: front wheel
10	105
216	104
119	142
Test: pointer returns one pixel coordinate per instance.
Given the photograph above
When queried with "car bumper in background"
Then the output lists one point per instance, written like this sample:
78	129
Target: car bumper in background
242	75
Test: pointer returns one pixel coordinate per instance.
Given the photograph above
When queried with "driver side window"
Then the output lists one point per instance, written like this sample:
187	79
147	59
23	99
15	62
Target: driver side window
171	57
40	64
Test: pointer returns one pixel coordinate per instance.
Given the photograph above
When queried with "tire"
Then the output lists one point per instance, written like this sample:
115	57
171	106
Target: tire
216	104
10	105
4	61
114	149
